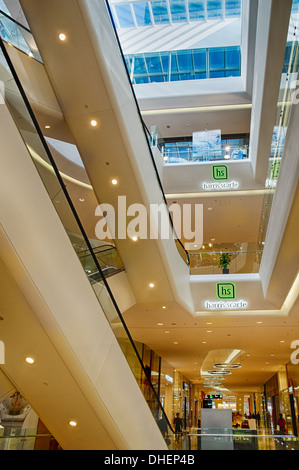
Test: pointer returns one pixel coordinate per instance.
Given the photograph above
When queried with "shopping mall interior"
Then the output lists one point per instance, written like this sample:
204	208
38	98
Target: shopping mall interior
149	225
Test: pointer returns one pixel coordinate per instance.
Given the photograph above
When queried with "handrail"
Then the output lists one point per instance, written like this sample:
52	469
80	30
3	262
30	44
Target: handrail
145	130
78	221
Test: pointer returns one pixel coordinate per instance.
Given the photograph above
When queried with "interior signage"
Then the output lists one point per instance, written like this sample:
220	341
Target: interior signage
220	176
226	290
230	305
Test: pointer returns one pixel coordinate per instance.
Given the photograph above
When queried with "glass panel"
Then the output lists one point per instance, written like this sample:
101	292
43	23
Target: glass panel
139	66
196	10
142	14
124	15
153	64
214	8
165	61
160	12
232	57
216	59
174	63
233	7
178	10
200	60
185	61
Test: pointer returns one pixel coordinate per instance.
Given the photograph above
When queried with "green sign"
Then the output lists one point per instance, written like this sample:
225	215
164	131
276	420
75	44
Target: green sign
220	172
275	169
226	290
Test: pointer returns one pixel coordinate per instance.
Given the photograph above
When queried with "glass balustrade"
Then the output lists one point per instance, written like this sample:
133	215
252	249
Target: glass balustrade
241	262
18	35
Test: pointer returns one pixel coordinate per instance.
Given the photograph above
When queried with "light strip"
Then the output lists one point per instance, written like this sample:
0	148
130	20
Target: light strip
198	109
253	192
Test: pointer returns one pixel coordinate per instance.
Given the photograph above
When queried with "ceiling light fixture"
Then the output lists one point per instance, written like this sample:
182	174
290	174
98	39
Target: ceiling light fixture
30	360
114	182
151	285
73	423
62	37
225	365
93	123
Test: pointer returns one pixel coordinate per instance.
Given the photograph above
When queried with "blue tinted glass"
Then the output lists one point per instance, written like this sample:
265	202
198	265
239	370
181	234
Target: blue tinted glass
233	73
214	8
216	58
142	13
160	11
141	80
185	61
139	66
174	64
200	60
178	10
153	64
165	62
196	10
124	16
232	57
187	76
174	77
160	78
233	7
200	75
219	74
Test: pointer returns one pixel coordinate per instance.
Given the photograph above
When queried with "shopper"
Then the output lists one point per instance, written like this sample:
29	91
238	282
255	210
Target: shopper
178	425
282	424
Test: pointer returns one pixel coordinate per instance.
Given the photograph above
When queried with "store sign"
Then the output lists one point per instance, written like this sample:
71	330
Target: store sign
213	397
220	175
220	172
226	290
2	353
221	305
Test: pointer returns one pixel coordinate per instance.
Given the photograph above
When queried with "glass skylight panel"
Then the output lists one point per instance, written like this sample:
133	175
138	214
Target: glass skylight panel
196	10
160	12
232	7
153	64
142	13
232	58
185	62
214	8
178	10
124	15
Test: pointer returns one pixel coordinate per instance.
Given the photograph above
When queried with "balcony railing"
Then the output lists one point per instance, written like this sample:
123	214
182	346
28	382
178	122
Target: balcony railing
241	262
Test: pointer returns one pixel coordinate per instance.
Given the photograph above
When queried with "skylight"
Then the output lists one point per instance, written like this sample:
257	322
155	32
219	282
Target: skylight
136	13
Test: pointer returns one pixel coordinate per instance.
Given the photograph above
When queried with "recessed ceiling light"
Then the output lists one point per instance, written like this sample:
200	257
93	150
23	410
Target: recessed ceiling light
30	54
160	324
47	127
30	360
73	423
282	341
163	306
175	342
151	285
259	322
134	238
62	37
114	182
93	123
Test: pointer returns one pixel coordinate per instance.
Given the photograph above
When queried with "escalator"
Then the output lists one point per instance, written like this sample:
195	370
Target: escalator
98	261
